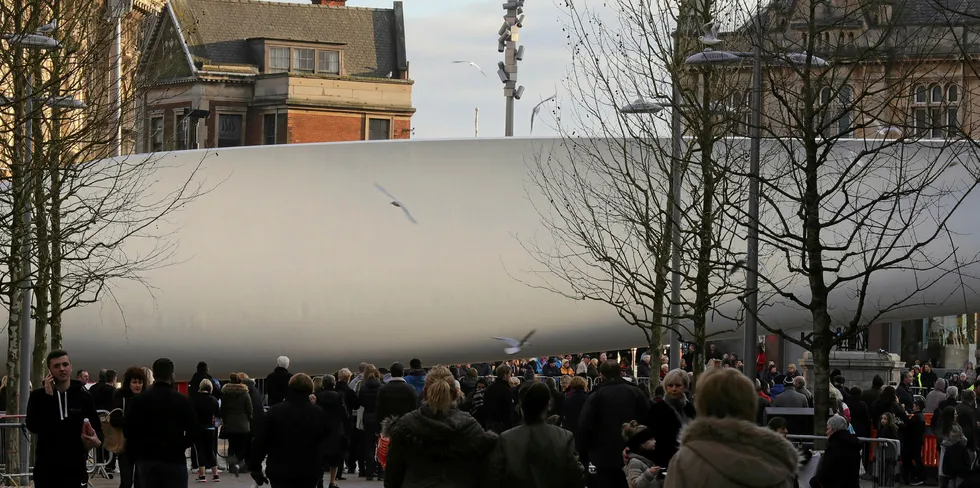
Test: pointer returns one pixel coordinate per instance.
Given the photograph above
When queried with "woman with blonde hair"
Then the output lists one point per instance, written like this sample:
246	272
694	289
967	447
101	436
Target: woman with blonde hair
723	446
436	445
367	397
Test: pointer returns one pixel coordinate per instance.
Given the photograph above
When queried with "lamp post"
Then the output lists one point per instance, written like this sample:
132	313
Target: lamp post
115	11
507	69
755	137
43	42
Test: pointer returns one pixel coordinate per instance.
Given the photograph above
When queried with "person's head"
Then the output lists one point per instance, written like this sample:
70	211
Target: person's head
877	382
415	363
799	382
969	396
888	419
888	394
659	391
838	381
791	367
952	393
471	373
361	367
711	347
82	376
758	385
940	385
344	375
202	367
205	386
638	436
329	382
609	370
282	362
235	379
439	391
503	372
397	370
102	375
163	370
602	357
110	376
779	425
919	405
317	384
301	384
534	403
788	382
529	374
578	383
149	375
134	380
59	365
676	382
907	378
927	368
371	372
836	424
856	391
725	393
513	381
481	383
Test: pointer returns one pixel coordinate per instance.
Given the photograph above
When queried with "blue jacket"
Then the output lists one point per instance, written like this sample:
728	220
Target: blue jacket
416	378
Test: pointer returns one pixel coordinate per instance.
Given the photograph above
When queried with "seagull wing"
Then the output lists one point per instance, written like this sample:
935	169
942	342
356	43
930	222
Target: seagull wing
409	215
533	113
528	336
382	190
507	340
478	68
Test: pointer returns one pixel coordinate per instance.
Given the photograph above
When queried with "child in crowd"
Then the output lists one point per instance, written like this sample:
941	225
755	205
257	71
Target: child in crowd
640	471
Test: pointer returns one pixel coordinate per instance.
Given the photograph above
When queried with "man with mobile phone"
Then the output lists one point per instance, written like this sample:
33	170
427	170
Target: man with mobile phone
57	413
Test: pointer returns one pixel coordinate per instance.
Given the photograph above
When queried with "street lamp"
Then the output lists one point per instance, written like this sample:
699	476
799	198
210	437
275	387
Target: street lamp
37	40
115	11
507	69
752	241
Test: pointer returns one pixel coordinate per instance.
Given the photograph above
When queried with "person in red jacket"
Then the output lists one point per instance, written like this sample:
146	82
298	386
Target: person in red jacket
760	360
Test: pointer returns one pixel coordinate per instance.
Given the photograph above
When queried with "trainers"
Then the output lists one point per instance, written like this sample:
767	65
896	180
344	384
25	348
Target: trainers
215	478
202	479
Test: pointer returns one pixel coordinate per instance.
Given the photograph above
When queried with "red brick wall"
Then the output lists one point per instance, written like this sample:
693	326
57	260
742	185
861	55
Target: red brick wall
331	127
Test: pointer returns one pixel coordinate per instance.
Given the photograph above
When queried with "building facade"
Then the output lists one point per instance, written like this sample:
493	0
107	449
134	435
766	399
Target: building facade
228	73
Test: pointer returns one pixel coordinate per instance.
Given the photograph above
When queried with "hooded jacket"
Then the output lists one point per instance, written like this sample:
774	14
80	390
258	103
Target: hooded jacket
433	450
726	453
416	378
236	408
638	474
277	385
57	420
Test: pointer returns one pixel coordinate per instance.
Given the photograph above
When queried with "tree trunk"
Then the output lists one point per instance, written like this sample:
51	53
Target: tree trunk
656	345
54	216
43	256
821	383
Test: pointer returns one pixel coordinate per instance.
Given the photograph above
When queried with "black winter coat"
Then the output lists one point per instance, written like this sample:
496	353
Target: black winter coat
612	404
396	398
367	396
292	437
571	410
666	430
860	417
498	403
840	464
160	425
277	385
102	395
332	404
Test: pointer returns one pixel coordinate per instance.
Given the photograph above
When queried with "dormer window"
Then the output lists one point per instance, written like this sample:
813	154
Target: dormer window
299	59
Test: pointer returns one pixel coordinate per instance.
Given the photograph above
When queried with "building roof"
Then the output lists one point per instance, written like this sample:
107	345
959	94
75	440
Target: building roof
905	12
216	32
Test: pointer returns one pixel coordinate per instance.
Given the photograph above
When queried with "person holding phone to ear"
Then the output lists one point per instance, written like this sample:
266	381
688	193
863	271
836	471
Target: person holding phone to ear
63	415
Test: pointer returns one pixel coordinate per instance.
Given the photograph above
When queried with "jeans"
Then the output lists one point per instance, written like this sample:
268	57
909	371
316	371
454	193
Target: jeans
155	474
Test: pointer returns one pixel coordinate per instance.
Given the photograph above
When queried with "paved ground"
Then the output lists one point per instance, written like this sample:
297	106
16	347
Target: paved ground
244	481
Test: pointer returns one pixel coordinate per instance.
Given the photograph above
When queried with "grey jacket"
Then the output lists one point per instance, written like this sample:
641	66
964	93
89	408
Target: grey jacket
638	472
535	456
790	398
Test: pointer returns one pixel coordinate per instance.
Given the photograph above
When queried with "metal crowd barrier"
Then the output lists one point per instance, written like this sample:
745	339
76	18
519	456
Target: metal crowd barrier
99	458
11	428
884	460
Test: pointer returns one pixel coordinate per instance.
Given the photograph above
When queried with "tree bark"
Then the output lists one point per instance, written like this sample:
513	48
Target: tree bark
43	256
54	216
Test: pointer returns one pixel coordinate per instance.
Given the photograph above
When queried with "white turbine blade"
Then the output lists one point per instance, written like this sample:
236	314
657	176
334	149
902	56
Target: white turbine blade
392	197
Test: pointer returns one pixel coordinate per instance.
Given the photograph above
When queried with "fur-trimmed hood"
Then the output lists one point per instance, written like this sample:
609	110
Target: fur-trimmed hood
733	449
233	388
443	437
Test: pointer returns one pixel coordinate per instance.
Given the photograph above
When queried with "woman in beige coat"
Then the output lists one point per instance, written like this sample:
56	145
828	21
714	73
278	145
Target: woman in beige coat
723	447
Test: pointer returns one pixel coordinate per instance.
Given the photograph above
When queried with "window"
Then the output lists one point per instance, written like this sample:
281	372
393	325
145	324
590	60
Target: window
274	127
935	110
741	106
836	108
229	130
329	62
181	126
379	129
303	60
156	134
278	59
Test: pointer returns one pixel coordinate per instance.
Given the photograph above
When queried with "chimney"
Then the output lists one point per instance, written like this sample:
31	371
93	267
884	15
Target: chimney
331	3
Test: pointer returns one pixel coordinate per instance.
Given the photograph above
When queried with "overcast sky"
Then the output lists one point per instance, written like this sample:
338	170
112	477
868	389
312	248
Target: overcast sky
445	95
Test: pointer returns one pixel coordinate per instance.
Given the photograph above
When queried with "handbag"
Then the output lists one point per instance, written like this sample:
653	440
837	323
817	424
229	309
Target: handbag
381	452
114	441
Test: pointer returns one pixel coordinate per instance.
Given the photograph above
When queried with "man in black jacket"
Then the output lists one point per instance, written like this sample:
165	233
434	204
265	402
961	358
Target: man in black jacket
277	383
912	440
498	401
396	398
102	393
56	412
612	404
160	425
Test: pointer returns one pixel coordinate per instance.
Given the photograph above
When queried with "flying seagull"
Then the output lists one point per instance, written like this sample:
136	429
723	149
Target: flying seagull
513	345
735	267
537	108
710	37
48	28
396	203
471	63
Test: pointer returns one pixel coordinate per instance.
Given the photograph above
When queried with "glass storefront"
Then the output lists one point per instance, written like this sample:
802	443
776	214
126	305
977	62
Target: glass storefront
948	342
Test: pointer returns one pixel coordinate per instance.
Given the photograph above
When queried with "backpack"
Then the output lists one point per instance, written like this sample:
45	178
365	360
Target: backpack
114	441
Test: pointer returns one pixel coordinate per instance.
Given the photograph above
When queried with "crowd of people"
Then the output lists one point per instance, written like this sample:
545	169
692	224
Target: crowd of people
540	422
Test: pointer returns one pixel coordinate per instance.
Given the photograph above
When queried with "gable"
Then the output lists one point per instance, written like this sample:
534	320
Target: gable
166	58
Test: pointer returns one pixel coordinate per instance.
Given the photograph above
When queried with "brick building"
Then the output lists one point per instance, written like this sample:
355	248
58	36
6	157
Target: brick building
227	73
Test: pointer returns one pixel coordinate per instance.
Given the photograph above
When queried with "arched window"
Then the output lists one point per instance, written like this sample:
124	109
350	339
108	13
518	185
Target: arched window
935	110
836	107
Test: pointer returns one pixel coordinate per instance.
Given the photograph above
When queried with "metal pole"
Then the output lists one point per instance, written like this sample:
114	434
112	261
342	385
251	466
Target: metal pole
510	67
752	253
675	227
476	123
115	84
509	128
26	331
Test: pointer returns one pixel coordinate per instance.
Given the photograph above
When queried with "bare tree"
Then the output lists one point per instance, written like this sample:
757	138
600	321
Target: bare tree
839	216
607	199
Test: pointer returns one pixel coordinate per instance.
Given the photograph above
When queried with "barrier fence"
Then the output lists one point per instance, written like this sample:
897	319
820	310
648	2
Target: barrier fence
12	427
883	466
